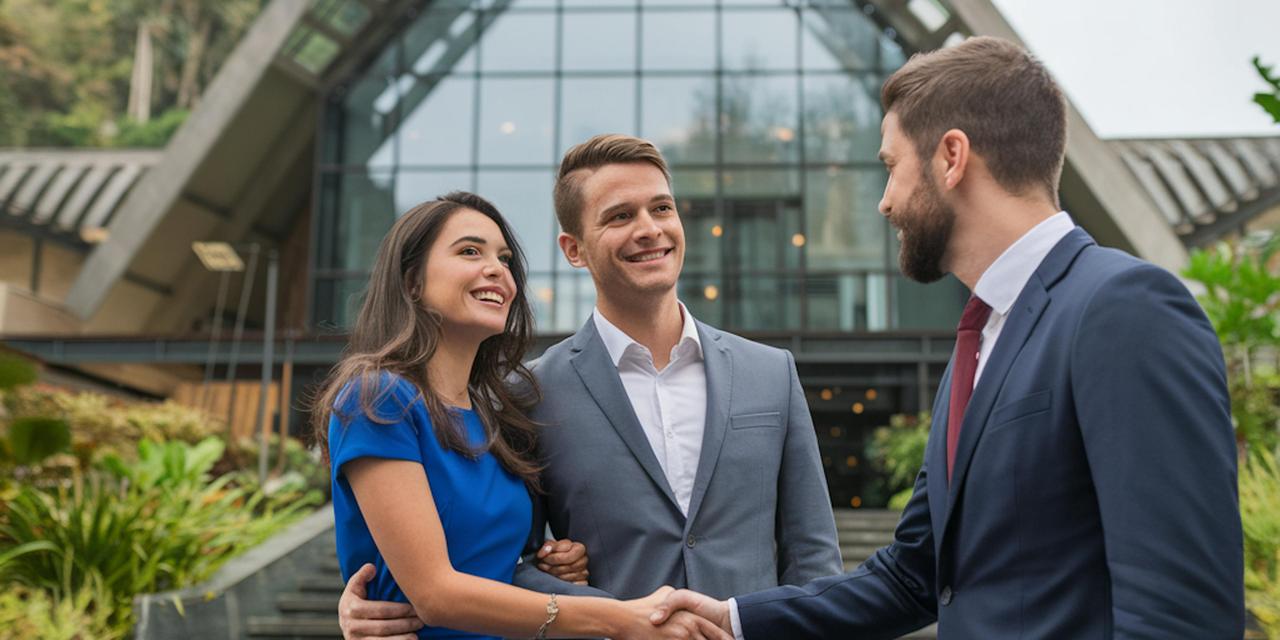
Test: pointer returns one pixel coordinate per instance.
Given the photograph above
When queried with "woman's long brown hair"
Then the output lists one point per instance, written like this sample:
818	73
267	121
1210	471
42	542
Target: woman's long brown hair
396	333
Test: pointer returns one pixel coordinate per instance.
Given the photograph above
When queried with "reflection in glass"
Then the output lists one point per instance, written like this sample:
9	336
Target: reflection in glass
764	302
338	300
438	127
366	138
759	119
575	297
703	294
442	40
517	41
416	187
845	229
704	235
516	121
604	41
679	40
759	39
367	212
838	39
591	106
842	118
524	198
761	183
678	115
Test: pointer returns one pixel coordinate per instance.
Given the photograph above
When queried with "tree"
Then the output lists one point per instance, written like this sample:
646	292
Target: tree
1268	101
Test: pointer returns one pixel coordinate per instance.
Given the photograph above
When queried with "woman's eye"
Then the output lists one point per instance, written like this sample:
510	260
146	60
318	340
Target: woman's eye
470	251
505	259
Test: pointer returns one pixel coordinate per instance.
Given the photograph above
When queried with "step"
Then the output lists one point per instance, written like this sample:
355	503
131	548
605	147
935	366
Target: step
878	538
293	626
324	584
307	603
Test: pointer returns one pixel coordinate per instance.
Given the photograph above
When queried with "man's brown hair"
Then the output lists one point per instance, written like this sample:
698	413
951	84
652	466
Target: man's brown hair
581	160
999	95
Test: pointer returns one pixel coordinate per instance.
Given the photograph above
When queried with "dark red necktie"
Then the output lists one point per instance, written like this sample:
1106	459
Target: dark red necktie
963	369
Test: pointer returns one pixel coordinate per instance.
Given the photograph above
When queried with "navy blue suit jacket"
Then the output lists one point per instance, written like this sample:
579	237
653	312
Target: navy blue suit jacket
1094	488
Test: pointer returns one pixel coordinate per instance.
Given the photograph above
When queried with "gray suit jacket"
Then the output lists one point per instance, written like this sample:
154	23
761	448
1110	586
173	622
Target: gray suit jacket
759	516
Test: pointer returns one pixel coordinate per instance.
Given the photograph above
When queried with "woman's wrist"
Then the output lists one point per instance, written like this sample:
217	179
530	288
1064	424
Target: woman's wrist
599	617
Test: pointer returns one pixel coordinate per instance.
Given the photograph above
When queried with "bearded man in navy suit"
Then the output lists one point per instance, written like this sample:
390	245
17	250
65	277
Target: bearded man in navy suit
1080	476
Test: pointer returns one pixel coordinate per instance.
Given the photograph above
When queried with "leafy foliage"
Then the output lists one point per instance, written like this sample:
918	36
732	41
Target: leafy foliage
1260	516
159	523
897	451
66	66
1268	101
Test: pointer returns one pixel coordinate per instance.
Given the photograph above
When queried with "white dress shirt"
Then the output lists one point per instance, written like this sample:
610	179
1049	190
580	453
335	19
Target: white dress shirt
999	287
671	404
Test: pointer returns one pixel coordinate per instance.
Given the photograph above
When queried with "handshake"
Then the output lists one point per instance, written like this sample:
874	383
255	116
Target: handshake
681	615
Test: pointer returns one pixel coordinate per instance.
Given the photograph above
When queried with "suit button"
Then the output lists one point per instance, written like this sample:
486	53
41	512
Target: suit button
692	541
944	596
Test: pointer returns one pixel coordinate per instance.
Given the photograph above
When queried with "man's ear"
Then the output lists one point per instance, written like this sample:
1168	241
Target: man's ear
571	247
953	156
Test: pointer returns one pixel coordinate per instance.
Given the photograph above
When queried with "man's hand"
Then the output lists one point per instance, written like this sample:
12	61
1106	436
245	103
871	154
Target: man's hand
716	611
362	619
564	559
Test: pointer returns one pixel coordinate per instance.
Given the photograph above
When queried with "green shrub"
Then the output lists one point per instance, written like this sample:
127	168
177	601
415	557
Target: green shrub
29	613
897	452
155	524
152	133
1260	516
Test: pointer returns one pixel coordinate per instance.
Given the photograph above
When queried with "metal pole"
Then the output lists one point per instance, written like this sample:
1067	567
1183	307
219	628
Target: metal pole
246	289
268	347
223	278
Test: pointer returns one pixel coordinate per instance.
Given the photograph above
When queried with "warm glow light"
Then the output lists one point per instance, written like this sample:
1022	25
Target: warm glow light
871	394
717	231
858	408
507	127
851	461
826	394
711	292
798	239
545	294
835	432
856	502
785	134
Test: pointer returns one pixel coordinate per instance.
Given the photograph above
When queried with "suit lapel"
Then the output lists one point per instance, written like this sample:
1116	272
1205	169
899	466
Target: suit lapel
936	456
718	362
1023	317
600	376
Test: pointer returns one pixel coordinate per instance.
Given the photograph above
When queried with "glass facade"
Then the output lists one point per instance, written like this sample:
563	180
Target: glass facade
767	111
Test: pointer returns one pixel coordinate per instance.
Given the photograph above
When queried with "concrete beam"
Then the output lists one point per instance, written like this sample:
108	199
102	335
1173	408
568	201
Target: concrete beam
154	195
1124	216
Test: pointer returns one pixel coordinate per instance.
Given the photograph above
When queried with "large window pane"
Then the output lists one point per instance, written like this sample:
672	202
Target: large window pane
524	198
842	118
517	41
367	212
764	302
679	116
368	111
838	39
441	41
439	124
416	187
338	300
703	294
575	296
760	119
591	106
516	121
679	40
845	229
600	41
759	39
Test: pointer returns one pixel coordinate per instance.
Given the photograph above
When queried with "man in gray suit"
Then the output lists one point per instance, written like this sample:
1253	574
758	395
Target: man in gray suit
677	453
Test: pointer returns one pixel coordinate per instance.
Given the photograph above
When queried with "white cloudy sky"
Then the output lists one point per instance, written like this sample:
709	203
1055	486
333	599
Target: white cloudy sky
1149	68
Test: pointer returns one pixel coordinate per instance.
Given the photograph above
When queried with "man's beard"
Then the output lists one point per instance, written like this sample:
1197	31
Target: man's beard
926	224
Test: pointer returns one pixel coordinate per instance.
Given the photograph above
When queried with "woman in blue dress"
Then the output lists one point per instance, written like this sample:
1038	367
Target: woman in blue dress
431	447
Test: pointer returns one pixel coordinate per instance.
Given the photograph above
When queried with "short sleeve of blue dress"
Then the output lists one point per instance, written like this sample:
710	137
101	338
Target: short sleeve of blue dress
485	510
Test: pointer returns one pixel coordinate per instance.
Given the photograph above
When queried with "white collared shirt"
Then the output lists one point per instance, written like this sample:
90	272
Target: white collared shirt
999	287
671	404
1003	281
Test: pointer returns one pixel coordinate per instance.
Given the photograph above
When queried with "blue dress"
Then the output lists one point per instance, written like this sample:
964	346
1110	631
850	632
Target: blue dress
484	509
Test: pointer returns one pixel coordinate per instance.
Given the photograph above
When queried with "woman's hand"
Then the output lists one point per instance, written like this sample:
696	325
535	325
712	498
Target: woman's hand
564	559
682	625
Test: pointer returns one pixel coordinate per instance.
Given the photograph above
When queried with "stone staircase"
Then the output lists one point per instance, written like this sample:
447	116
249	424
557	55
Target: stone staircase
308	609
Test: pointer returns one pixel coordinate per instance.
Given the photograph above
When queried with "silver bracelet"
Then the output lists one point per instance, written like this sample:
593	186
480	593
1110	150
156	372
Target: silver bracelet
553	610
